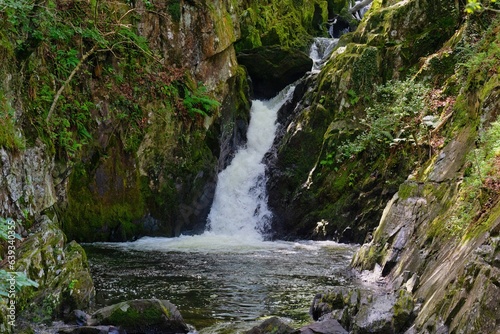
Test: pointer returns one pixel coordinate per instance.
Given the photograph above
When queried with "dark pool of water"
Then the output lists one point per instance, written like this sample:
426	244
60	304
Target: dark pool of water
222	286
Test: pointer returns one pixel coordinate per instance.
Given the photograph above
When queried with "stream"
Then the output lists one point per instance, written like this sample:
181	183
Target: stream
229	278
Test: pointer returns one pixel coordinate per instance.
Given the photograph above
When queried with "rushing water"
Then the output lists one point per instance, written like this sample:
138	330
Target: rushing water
240	203
228	278
320	51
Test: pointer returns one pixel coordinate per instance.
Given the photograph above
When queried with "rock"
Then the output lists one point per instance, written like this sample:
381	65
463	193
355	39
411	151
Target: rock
60	269
272	325
375	317
145	316
327	326
273	68
77	317
412	284
92	330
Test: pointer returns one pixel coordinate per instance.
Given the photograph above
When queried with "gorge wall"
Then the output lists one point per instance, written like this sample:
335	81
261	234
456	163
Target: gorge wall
399	132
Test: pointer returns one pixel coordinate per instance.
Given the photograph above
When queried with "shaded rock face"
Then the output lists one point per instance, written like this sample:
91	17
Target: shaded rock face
27	184
143	316
273	68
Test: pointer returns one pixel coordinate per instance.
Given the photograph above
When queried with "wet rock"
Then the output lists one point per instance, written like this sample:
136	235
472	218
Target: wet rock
273	68
272	325
327	326
77	317
145	316
375	317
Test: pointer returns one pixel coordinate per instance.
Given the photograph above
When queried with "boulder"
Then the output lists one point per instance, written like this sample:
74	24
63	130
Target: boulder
375	317
91	330
61	270
272	68
272	325
145	316
327	326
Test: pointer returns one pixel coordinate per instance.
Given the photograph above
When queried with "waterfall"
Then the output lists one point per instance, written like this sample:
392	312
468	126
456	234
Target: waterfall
240	203
320	51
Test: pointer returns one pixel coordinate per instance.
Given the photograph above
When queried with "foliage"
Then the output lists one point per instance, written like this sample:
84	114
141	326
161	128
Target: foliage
66	35
474	6
394	118
9	138
8	235
481	183
198	102
174	9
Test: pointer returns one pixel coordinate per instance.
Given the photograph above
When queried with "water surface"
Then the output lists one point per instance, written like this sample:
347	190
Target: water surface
218	282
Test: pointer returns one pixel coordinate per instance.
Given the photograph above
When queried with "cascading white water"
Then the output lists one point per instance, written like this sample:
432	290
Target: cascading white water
240	203
320	51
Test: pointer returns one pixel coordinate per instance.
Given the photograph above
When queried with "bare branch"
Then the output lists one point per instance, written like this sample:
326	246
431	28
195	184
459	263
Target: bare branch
65	84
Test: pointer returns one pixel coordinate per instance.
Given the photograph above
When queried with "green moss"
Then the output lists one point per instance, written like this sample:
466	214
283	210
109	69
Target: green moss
103	204
132	318
402	310
291	23
174	9
407	190
365	70
10	138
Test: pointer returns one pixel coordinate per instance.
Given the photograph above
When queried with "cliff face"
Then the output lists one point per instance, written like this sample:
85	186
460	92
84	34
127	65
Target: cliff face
442	226
399	135
351	144
116	112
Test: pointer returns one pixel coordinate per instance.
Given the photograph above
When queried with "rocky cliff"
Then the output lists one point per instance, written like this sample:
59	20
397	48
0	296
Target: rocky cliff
396	144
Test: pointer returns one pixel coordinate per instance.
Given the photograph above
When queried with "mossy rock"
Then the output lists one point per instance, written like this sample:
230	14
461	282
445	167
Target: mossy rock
60	269
273	68
142	316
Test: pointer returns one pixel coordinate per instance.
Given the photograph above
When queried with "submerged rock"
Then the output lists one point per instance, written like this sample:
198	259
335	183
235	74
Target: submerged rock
145	316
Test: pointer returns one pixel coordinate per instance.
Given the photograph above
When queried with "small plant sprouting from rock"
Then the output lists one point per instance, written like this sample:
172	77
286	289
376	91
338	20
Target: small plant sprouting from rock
198	102
474	6
481	183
